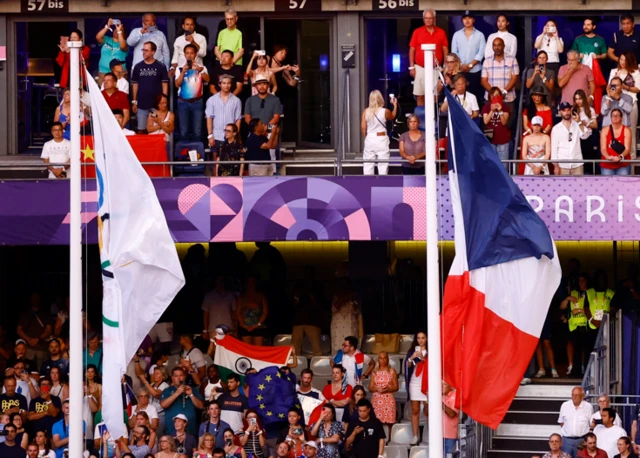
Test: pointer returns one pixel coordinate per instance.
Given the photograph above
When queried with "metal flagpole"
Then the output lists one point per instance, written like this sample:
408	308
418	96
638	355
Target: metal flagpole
436	446
76	395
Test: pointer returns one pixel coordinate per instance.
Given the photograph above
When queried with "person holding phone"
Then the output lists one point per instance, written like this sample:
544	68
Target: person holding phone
230	447
113	47
550	42
615	98
149	32
540	76
44	409
417	383
189	37
328	431
253	436
206	445
64	57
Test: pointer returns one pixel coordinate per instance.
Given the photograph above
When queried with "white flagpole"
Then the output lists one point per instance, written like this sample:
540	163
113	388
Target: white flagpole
436	447
76	395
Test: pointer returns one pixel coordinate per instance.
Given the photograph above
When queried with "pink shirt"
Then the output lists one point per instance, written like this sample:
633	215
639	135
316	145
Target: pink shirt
579	80
450	424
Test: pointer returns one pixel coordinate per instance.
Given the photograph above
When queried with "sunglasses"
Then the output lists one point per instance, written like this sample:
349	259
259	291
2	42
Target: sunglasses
570	136
228	130
262	103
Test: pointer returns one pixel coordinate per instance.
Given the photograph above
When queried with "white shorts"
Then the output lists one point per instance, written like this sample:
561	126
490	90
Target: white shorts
260	170
418	82
161	332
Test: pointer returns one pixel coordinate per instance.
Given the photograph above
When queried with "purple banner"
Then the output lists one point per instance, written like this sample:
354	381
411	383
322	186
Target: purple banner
310	208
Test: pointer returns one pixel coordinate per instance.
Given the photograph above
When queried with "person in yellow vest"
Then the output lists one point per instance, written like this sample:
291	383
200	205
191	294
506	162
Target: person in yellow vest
599	299
577	304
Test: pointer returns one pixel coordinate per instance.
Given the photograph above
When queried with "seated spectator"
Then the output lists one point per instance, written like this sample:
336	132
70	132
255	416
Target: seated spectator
615	145
161	121
565	142
192	360
294	435
139	444
10	400
253	436
451	69
306	378
189	37
149	32
180	398
371	443
230	38
625	447
117	68
537	107
574	76
338	392
190	81
114	47
226	67
495	116
501	71
464	97
44	409
412	147
607	433
186	443
10	448
22	437
222	108
32	451
64	60
384	382
357	365
283	450
57	150
231	150
510	40
168	449
144	405
629	74
230	445
116	99
555	444
329	431
591	450
550	42
233	404
55	360
415	369
542	77
206	445
537	145
615	98
214	425
148	79
119	115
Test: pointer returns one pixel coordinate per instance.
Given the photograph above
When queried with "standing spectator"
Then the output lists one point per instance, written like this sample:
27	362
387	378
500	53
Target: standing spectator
60	431
603	403
222	108
589	118
450	70
43	441
469	43
119	115
607	433
510	40
590	44
415	369
540	76
565	141
206	445
55	360
186	442
32	451
190	81
155	389
117	68
615	98
180	399
556	450
346	315
263	70
214	424
144	405
574	419
258	146
495	116
19	354
231	150
22	437
192	359
384	382
374	128
537	106
574	76
591	449
252	306
148	79
10	448
501	71
116	99
189	37
26	385
365	437
64	57
167	448
450	418
329	431
576	303
293	435
626	39
57	151
212	385
218	306
233	404
161	121
226	67
306	379
139	447
34	326
357	365
149	32
93	353
465	98
291	75
550	42
537	145
263	105
615	146
44	409
305	320
628	73
412	147
113	47
58	388
429	34
230	38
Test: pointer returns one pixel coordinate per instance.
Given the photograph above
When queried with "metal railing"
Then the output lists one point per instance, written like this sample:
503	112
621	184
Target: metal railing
604	370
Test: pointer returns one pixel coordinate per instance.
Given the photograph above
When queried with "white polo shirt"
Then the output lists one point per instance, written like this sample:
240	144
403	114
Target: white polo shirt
576	420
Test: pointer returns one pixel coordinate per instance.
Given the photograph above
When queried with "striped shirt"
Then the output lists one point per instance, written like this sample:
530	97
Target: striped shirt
222	113
499	73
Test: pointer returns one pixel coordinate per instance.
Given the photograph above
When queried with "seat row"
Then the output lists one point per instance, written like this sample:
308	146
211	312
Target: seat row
366	346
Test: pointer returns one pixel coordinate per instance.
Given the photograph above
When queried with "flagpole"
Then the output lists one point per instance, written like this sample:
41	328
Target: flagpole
436	447
76	430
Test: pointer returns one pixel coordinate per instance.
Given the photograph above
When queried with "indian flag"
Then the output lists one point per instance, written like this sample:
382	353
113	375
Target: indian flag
239	357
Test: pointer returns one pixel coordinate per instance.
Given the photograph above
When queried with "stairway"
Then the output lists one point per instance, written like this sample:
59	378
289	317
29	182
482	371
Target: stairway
531	419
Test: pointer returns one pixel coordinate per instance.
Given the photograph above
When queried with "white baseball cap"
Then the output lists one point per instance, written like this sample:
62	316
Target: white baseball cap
311	444
537	121
181	416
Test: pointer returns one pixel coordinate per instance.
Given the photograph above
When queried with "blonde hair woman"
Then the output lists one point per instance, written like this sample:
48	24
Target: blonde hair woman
374	128
168	448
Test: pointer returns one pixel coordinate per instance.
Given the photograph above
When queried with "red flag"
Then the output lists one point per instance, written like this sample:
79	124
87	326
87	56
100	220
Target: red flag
600	81
315	414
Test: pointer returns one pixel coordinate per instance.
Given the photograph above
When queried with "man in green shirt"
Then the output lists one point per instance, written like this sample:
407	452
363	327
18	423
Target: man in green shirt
230	38
589	42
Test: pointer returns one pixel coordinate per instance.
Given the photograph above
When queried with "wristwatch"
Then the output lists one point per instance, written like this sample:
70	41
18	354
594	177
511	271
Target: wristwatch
134	102
412	68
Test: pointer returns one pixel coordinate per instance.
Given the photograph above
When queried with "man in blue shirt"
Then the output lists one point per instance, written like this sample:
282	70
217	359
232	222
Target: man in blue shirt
60	432
214	425
179	398
469	43
149	32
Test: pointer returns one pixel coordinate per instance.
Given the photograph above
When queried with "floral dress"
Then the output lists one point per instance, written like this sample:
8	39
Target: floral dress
345	321
230	152
329	450
384	403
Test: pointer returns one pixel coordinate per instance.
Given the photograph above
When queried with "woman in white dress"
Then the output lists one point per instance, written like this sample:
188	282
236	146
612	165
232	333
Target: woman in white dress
537	145
416	379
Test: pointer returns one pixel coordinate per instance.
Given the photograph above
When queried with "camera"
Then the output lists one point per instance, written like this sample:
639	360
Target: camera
614	87
4	432
116	21
551	29
154	115
541	68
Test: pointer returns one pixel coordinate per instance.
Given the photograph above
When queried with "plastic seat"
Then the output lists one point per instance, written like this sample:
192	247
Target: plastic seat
321	366
282	340
320	382
401	395
208	360
190	168
401	435
172	362
303	364
368	341
394	362
405	343
395	451
365	384
325	345
419	452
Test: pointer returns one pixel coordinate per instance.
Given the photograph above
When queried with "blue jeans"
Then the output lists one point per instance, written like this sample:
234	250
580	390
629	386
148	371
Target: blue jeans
621	171
570	446
503	153
141	118
450	445
191	115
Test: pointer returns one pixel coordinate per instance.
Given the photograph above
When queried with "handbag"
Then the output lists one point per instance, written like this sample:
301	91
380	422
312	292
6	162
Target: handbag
616	146
389	343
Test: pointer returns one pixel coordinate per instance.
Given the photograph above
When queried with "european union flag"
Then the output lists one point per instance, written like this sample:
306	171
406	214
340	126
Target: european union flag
272	393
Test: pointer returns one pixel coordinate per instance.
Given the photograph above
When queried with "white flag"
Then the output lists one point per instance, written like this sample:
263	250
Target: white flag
141	270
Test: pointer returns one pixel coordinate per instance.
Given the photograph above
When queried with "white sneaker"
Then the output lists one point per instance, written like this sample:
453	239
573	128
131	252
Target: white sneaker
569	369
415	440
554	373
540	373
525	381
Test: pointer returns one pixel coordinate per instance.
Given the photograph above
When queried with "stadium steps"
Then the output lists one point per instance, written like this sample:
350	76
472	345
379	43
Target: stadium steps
531	419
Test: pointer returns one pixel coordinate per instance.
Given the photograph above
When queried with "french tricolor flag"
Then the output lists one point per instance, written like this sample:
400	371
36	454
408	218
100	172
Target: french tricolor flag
503	277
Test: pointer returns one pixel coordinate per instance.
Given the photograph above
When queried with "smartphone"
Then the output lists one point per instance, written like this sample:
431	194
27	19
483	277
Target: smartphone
116	21
253	421
261	52
45	389
417	348
552	29
155	115
614	87
298	431
187	32
391	96
228	442
151	28
189	64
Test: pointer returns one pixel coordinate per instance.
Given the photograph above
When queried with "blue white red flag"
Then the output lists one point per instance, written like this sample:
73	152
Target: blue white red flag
502	279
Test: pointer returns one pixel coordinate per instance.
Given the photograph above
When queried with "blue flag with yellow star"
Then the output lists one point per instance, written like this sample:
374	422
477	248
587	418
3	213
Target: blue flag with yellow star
272	393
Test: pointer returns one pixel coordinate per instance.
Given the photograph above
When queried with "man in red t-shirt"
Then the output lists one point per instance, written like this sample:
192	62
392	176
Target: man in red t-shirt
591	450
429	34
116	99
